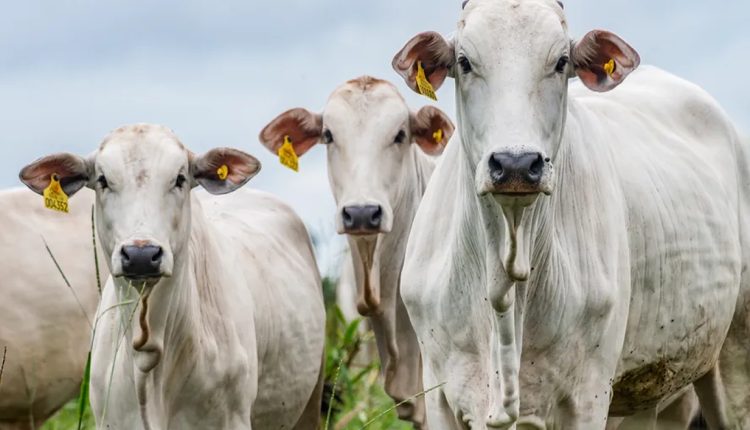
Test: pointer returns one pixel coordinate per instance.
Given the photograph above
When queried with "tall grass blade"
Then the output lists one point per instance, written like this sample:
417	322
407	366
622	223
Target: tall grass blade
380	415
96	255
333	391
83	399
2	365
65	278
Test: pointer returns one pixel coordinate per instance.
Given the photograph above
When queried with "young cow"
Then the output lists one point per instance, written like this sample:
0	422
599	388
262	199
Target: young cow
218	298
377	177
554	297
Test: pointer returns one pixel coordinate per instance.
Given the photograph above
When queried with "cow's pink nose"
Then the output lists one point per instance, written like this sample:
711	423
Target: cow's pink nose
141	261
516	172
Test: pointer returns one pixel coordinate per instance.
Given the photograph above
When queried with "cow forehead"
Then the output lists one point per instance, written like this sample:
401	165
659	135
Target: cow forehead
517	17
142	146
366	93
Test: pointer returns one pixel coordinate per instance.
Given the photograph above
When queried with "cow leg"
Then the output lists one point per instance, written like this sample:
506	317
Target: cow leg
731	384
644	420
310	418
401	381
678	413
409	367
439	414
613	423
713	405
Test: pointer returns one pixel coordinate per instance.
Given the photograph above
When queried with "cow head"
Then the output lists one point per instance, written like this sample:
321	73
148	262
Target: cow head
367	129
142	176
511	60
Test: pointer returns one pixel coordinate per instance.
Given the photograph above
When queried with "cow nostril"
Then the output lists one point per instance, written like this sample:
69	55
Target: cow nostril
124	254
377	216
496	167
346	217
537	166
157	256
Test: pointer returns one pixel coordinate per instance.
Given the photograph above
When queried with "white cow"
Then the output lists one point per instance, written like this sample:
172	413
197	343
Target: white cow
380	157
214	315
553	297
42	325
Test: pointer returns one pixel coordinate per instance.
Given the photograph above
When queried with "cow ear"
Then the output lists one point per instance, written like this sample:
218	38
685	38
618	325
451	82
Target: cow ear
223	170
431	129
432	52
303	128
74	173
602	60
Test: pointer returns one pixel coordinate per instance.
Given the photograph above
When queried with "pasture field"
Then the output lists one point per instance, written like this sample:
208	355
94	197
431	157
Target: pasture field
359	398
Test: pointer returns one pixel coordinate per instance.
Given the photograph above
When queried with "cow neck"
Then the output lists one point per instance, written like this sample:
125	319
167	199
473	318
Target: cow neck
377	259
512	237
184	310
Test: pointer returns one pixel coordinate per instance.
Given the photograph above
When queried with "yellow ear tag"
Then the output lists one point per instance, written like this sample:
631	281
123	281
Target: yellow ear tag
223	172
609	67
438	135
423	85
287	156
54	196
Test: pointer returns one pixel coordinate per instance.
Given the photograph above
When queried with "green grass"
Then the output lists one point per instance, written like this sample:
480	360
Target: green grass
359	396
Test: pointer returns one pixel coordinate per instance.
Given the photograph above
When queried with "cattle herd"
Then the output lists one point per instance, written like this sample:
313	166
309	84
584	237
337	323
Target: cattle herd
572	254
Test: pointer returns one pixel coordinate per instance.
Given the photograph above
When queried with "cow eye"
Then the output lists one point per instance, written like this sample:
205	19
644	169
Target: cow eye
561	63
180	181
102	182
327	136
400	137
465	64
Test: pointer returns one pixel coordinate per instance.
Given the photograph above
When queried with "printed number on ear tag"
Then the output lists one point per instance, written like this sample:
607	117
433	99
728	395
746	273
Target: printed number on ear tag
223	172
609	67
54	196
423	85
287	156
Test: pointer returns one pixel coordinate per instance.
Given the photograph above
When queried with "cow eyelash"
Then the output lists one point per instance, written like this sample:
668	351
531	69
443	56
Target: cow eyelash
561	63
103	184
327	136
180	181
465	64
400	137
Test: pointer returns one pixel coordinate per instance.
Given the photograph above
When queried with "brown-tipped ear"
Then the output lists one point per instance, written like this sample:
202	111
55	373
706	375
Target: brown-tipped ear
74	173
302	126
431	129
223	170
432	51
602	60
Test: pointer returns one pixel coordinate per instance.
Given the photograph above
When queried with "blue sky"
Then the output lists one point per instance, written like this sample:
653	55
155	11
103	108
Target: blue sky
217	72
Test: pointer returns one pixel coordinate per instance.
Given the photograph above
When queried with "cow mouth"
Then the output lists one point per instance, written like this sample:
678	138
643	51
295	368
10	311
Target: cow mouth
517	193
362	233
148	280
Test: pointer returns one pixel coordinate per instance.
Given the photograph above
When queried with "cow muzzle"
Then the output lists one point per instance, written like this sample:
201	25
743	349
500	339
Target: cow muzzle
517	174
140	260
363	220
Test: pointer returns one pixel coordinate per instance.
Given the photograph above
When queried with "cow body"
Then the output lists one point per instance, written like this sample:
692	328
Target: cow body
260	268
42	325
635	266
